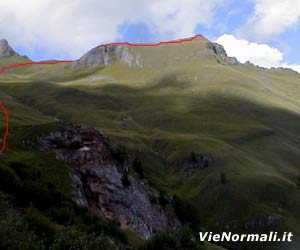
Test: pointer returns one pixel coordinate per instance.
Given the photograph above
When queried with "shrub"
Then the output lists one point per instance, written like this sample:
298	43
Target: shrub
164	241
74	240
14	234
137	167
223	178
186	212
24	171
125	180
40	224
93	242
63	214
9	181
36	193
183	240
162	199
38	187
193	157
121	154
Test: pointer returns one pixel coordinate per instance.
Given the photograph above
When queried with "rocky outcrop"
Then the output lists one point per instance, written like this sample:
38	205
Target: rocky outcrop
273	69
265	222
259	222
220	52
99	182
6	50
106	55
284	70
193	163
218	49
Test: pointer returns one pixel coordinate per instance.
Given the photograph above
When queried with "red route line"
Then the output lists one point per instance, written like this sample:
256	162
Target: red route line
104	45
69	61
6	128
155	44
32	63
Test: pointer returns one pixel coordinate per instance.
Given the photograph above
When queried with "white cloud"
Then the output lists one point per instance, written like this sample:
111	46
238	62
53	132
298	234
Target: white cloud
272	17
259	54
181	16
74	26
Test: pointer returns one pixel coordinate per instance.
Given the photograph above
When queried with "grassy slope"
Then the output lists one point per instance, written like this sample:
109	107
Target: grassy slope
247	119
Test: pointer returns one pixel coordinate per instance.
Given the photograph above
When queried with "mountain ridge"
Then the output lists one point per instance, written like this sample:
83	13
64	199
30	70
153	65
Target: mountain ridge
132	54
109	53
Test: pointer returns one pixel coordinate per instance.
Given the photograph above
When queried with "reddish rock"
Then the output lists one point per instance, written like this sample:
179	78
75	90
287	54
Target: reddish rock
98	183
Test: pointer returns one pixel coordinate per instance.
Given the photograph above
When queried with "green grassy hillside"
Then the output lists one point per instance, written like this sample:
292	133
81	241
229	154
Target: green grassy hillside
184	99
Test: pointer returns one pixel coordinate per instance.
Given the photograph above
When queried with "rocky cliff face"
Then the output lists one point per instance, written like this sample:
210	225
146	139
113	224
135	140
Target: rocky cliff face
99	184
221	53
193	163
6	50
106	55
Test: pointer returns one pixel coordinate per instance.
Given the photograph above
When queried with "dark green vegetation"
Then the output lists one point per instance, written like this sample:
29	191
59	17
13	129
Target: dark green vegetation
246	119
37	210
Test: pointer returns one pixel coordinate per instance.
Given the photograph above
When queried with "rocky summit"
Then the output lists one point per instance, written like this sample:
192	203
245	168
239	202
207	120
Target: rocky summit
106	55
6	50
150	56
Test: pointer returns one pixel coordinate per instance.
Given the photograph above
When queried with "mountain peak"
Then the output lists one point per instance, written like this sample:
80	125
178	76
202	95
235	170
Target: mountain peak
5	49
154	55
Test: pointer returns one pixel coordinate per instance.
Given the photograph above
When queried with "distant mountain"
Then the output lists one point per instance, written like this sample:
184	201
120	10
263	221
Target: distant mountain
6	50
191	50
8	56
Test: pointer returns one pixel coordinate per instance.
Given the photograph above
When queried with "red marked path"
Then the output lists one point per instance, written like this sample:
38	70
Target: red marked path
31	63
155	44
107	44
6	128
5	68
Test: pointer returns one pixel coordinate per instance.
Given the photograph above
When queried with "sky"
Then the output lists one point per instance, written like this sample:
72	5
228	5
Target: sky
265	32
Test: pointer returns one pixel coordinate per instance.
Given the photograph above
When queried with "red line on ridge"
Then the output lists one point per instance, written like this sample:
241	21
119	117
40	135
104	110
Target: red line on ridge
107	44
6	128
32	63
154	44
